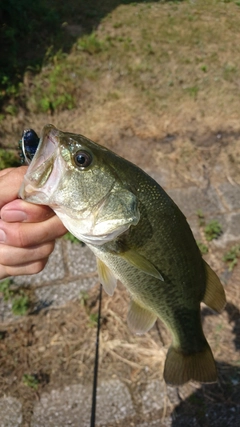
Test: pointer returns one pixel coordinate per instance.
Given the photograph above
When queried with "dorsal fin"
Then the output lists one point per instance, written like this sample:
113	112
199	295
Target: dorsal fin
106	277
214	295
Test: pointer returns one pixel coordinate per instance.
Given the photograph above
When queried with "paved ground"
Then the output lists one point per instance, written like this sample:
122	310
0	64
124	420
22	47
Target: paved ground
72	269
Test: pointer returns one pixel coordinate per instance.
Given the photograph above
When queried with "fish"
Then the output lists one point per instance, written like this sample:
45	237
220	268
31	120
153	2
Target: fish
139	237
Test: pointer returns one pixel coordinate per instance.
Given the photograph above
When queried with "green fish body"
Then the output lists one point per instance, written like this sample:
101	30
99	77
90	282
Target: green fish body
139	237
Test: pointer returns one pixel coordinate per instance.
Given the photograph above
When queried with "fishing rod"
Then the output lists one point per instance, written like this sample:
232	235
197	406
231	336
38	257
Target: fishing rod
95	375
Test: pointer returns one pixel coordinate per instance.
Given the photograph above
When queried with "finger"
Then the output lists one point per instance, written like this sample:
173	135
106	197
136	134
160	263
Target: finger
18	210
28	269
25	235
12	256
10	184
4	171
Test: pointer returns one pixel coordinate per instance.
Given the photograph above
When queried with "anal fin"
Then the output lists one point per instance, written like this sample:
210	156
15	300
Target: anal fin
181	368
139	319
106	277
214	295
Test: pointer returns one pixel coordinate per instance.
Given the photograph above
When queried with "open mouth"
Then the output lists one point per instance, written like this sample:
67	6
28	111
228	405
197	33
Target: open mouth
43	173
44	157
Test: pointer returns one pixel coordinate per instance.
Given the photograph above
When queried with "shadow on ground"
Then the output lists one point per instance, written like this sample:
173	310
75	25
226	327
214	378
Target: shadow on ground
212	405
215	405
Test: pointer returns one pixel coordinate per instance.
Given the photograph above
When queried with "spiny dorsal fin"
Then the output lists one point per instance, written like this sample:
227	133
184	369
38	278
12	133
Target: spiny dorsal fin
214	295
140	262
106	277
139	319
181	368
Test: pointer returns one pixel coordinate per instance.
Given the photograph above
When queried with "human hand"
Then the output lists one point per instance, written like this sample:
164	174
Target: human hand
27	231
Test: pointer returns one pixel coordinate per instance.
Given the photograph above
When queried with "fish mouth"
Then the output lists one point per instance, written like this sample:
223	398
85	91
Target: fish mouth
44	171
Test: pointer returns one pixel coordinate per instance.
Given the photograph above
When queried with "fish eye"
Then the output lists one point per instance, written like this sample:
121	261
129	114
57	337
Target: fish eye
82	159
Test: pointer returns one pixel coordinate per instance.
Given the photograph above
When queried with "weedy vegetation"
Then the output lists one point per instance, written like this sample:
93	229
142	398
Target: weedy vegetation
5	289
231	257
20	301
213	230
161	52
30	381
20	304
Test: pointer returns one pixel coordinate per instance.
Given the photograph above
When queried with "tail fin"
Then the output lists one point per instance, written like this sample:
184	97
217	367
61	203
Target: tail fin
180	368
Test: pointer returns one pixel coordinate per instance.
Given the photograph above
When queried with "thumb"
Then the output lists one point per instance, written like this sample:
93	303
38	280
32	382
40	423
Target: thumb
20	211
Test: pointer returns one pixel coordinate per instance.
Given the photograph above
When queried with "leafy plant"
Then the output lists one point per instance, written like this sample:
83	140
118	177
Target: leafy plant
231	257
20	305
5	289
30	381
20	301
212	230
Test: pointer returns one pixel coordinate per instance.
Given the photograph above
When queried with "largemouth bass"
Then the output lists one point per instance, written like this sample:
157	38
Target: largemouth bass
139	237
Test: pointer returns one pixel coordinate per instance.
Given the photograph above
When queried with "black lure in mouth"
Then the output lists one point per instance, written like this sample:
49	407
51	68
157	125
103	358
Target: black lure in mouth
28	145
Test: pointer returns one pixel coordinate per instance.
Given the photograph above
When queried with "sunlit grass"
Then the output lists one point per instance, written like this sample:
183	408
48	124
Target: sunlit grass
166	53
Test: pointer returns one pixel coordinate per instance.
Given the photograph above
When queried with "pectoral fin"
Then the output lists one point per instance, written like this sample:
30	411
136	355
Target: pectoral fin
140	262
139	319
106	277
214	295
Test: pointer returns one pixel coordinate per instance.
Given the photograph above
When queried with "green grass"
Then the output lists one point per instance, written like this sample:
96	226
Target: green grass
90	44
164	52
